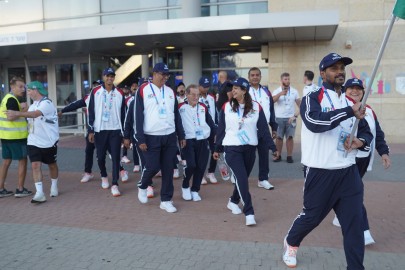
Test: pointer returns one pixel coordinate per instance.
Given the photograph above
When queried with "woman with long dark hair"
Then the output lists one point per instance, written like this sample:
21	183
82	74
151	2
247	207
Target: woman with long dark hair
241	124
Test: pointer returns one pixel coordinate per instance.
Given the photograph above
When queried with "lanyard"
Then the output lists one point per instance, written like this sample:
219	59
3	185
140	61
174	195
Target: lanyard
241	118
105	100
198	117
260	94
205	101
285	97
327	95
351	119
163	94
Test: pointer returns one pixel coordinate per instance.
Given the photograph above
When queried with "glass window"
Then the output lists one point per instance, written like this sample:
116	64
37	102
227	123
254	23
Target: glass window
66	91
12	12
247	8
175	60
135	17
84	75
218	9
122	5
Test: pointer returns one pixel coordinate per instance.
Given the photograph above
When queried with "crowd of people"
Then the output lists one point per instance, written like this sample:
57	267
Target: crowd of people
194	127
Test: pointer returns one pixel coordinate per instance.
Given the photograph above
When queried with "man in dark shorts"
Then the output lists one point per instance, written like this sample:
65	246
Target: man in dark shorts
13	135
43	137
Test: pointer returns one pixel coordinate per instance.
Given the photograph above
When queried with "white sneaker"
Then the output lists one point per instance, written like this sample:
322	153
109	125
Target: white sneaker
137	168
336	221
196	197
176	173
250	220
104	182
86	177
125	160
114	191
368	239
203	181
265	184
38	198
124	176
54	191
289	254
211	177
186	194
149	192
168	206
142	195
234	208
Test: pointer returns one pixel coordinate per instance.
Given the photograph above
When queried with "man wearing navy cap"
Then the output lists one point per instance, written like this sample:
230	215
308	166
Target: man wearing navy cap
204	85
332	180
106	120
158	126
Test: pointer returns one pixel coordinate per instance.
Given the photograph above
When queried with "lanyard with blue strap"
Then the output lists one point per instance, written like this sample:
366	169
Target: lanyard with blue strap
327	95
105	100
163	94
241	119
285	97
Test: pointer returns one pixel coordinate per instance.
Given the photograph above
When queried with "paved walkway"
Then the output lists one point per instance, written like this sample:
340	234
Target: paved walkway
86	228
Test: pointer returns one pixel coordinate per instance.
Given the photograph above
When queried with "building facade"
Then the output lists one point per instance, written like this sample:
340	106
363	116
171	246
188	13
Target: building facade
66	44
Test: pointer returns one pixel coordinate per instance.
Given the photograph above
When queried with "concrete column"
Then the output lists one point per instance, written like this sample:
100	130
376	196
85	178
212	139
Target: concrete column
191	8
192	65
145	66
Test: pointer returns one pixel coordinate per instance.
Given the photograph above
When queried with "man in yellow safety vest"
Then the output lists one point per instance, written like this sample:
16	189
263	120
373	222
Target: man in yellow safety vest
13	135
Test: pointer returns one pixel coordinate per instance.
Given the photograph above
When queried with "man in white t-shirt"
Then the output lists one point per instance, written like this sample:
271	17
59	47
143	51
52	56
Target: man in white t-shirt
285	97
309	85
43	138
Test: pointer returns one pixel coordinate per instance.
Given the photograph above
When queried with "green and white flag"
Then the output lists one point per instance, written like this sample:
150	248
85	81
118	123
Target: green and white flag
399	9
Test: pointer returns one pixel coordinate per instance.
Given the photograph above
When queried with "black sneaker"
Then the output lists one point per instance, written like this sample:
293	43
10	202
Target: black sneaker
5	193
289	159
22	193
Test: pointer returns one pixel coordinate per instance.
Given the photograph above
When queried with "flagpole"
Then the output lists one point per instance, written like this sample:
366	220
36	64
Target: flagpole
376	65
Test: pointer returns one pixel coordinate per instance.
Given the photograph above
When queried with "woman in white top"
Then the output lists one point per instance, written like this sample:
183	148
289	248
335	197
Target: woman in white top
241	124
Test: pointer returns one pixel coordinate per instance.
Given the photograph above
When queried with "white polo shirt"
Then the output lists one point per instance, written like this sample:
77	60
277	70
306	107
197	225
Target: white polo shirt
285	105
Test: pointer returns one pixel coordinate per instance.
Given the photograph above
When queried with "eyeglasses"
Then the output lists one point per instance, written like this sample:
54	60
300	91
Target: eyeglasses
164	74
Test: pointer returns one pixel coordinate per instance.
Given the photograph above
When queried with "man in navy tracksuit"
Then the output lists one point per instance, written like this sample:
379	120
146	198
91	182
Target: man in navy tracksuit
106	120
332	180
263	96
198	126
157	123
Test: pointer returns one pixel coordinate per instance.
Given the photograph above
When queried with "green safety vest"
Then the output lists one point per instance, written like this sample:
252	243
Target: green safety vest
12	130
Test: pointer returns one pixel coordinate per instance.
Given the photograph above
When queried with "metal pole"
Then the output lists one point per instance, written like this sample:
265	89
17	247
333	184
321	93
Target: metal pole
376	65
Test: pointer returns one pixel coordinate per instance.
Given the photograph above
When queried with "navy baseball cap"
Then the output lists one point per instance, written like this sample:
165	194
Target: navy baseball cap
354	82
161	67
241	82
331	59
108	71
204	82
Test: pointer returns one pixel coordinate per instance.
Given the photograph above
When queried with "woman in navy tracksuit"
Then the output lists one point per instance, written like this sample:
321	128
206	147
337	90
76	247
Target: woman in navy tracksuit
241	124
198	127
